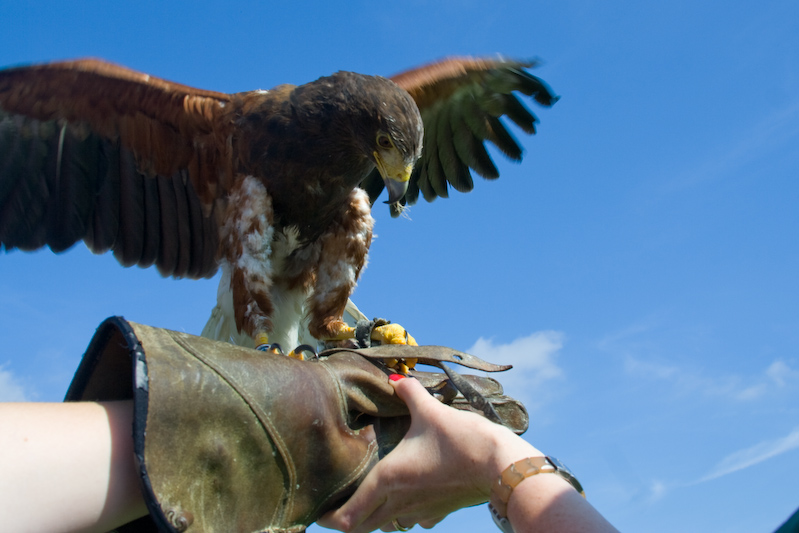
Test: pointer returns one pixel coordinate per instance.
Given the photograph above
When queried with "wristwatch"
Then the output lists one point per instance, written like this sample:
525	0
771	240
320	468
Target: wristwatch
515	474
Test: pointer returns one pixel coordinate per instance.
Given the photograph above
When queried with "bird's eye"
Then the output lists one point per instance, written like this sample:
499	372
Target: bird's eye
384	141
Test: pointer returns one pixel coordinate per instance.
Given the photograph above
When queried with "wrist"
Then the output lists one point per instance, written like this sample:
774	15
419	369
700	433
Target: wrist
523	475
508	448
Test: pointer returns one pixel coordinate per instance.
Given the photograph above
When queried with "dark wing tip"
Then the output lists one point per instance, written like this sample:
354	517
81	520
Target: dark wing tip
462	100
70	178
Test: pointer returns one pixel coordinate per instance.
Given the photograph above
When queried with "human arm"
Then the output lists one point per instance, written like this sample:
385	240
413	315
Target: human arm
67	466
448	460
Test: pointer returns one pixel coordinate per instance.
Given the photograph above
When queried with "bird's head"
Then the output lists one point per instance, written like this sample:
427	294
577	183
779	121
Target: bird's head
384	123
393	132
368	121
394	165
398	137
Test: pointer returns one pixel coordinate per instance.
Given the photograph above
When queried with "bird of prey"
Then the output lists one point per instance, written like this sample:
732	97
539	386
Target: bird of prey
273	186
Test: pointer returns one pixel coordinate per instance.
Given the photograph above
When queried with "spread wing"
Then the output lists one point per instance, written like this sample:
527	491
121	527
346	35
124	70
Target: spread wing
461	101
124	161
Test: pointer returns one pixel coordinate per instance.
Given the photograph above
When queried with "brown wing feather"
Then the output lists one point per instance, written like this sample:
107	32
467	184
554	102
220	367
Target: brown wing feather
438	80
121	159
461	100
101	93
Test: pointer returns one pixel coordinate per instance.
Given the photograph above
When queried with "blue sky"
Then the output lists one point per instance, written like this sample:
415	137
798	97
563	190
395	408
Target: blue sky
639	267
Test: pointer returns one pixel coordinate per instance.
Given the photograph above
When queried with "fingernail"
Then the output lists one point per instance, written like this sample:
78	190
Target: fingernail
395	377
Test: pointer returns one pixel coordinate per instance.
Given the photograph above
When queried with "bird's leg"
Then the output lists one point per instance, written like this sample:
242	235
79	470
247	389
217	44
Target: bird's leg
246	238
395	334
343	255
381	331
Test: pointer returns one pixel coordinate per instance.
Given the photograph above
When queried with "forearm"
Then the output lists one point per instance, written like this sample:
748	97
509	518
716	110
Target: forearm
547	502
543	502
67	467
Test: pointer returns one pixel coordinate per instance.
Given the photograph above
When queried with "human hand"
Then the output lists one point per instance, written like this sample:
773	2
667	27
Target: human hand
446	461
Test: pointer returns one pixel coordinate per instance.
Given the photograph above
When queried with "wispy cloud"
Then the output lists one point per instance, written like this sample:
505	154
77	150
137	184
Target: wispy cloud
534	360
777	376
642	358
10	388
753	455
657	489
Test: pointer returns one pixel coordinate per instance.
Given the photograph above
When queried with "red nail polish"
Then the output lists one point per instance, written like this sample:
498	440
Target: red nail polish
395	377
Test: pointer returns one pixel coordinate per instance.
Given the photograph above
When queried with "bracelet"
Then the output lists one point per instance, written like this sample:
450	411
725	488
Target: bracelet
515	474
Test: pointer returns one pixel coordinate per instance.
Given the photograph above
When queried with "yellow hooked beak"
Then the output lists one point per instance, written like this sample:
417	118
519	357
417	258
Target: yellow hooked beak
394	171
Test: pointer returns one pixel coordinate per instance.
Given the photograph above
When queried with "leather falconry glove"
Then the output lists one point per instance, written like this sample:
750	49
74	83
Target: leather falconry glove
229	439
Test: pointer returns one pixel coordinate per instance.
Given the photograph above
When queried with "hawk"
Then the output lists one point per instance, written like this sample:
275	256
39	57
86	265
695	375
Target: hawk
273	186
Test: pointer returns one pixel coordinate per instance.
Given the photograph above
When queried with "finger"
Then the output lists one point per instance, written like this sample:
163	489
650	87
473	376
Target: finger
381	519
368	497
424	518
414	395
431	523
329	520
404	523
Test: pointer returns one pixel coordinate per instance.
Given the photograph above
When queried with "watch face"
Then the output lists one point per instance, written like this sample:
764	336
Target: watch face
564	471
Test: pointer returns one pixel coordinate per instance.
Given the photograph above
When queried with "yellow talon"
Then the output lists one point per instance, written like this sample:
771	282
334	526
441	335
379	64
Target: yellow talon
402	366
393	334
396	334
297	355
